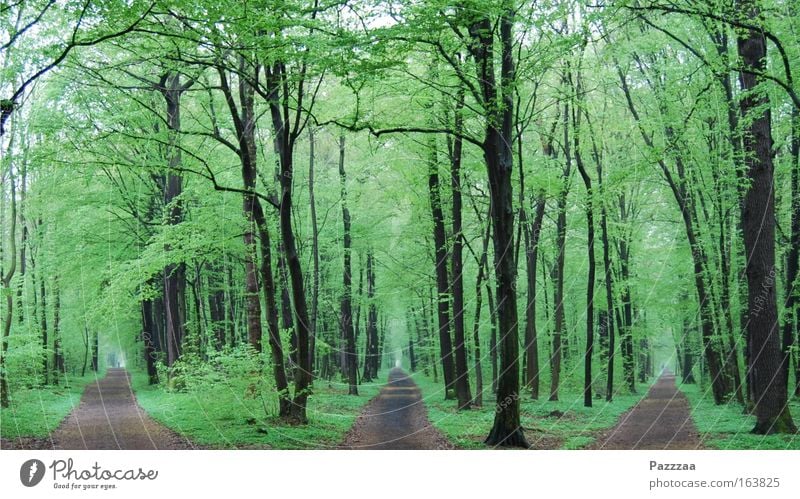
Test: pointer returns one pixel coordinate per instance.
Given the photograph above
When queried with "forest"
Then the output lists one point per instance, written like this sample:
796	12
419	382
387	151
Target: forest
400	224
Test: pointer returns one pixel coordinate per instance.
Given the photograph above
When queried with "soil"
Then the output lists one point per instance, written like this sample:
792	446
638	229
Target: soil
107	417
395	419
661	420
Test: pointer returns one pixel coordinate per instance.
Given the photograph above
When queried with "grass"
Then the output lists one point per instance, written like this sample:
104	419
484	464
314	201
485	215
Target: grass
35	412
565	424
728	427
234	414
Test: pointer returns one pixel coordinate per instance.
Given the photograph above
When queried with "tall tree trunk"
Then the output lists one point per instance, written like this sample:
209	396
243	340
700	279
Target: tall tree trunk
440	267
86	347
356	315
346	315
287	321
268	283
625	317
558	296
6	283
23	243
312	347
43	316
791	303
499	106
95	352
463	392
171	89
244	122
532	234
373	348
758	221
492	336
429	347
608	274
590	275
302	377
58	349
216	307
148	328
476	338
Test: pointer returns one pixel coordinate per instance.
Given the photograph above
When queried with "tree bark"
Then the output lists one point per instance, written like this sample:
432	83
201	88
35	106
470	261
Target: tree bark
558	296
499	107
440	267
590	275
463	392
171	89
532	233
758	221
244	123
314	253
148	327
476	339
372	361
346	315
6	286
58	350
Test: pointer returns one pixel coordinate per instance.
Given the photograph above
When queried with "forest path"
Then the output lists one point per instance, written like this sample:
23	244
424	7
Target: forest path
661	420
108	417
395	419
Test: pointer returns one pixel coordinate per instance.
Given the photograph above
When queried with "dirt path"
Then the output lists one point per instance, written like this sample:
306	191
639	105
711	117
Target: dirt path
661	420
108	417
395	419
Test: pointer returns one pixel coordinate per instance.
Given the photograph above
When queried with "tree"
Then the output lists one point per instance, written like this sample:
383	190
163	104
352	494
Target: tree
346	314
758	222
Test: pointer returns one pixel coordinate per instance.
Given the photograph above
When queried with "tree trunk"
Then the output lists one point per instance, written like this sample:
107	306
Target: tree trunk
287	322
6	288
587	181
608	274
216	307
463	392
372	362
314	252
758	222
440	267
558	296
95	352
43	320
499	106
174	273
532	234
476	339
275	344
244	122
626	314
86	347
346	315
148	326
58	351
791	303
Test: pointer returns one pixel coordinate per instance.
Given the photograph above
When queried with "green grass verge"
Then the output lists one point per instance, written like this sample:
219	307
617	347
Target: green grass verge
565	424
237	414
727	427
36	412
